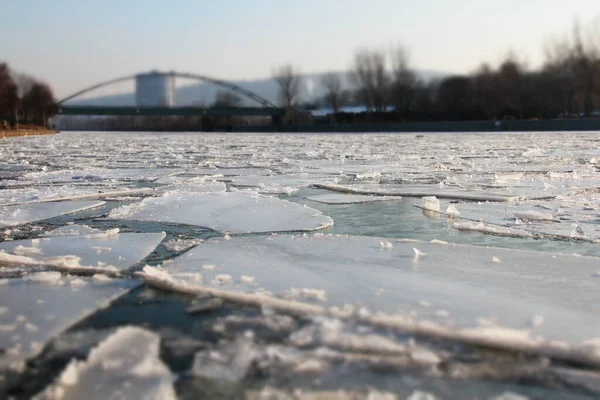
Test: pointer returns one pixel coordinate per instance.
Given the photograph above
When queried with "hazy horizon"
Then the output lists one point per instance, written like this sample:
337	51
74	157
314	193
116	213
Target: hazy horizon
71	45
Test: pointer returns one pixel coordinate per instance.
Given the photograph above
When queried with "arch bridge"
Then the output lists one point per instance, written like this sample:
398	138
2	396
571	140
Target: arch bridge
164	106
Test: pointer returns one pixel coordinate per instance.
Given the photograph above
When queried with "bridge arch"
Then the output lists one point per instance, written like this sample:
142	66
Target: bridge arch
227	85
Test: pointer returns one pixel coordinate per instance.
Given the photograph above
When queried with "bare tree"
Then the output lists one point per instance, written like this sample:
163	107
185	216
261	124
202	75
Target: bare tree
24	83
587	66
39	103
9	98
510	79
334	93
225	98
404	81
289	85
560	68
372	79
486	90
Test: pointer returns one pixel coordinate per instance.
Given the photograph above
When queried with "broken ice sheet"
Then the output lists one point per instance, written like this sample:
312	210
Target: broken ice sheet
287	180
103	250
194	186
231	212
462	280
126	365
41	304
23	214
417	191
62	193
335	198
535	218
100	174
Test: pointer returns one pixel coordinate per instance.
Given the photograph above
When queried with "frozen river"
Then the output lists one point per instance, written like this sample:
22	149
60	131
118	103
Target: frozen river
164	265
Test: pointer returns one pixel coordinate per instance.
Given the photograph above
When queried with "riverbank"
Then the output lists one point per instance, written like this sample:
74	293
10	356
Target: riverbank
550	125
27	132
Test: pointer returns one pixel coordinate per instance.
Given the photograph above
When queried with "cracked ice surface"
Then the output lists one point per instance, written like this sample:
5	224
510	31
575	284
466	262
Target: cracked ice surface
23	214
464	281
39	305
232	212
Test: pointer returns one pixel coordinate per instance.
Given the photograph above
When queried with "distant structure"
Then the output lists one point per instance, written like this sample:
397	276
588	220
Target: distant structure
155	89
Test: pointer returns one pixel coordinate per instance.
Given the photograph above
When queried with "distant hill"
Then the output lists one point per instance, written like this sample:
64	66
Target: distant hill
204	93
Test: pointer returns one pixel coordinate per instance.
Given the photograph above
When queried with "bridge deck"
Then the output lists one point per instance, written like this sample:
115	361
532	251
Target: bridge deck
174	111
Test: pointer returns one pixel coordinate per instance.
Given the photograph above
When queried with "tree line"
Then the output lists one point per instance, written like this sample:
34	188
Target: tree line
567	85
24	99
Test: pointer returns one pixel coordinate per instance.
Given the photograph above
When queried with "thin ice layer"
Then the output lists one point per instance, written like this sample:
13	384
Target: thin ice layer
24	214
194	186
126	365
335	198
100	174
42	305
32	195
109	250
231	212
417	191
463	285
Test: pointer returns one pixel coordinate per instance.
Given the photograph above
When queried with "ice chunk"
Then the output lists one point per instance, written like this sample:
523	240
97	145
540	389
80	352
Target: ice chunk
418	254
72	230
431	203
386	244
97	235
350	199
534	215
232	212
79	253
181	244
510	396
577	232
50	306
204	305
125	365
229	363
420	395
24	214
452	211
27	251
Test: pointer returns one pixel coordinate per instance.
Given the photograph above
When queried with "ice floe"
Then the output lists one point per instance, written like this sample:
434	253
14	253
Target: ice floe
231	212
48	302
465	280
24	214
81	253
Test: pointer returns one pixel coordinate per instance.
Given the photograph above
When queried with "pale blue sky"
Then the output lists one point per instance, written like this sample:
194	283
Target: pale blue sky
76	43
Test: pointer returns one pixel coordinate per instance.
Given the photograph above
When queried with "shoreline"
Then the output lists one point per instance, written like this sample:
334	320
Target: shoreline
27	132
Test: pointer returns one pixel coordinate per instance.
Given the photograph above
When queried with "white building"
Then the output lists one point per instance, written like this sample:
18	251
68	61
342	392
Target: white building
155	89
